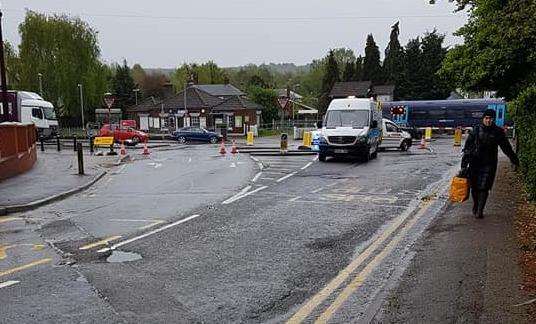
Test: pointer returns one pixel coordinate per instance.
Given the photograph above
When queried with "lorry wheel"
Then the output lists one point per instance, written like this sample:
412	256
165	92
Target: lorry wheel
322	157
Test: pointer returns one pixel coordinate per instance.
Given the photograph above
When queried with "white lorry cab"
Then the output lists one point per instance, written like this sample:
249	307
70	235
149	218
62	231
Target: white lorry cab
351	127
393	137
32	108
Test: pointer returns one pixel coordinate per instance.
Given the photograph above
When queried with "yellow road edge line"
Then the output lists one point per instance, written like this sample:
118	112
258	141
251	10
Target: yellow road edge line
371	266
9	219
26	266
321	296
99	243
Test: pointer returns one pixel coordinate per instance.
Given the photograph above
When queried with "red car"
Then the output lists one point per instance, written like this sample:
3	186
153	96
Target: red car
127	134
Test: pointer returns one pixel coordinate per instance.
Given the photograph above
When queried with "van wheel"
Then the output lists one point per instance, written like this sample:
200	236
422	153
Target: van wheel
322	157
404	146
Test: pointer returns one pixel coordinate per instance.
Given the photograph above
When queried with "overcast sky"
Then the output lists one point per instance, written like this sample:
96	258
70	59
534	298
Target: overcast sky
165	33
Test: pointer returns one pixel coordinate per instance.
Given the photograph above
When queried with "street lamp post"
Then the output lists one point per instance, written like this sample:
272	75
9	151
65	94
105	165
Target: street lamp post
4	116
136	95
82	106
40	76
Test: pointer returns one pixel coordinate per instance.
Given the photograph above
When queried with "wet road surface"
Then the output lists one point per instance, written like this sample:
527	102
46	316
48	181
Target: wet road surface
268	239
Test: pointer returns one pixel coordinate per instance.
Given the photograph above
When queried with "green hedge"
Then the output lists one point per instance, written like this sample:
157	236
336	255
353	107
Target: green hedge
524	115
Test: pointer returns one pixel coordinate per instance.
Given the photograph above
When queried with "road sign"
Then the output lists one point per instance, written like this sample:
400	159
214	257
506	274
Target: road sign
103	141
283	102
109	100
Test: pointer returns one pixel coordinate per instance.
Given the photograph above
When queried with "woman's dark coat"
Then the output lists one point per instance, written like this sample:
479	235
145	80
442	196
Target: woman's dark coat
481	155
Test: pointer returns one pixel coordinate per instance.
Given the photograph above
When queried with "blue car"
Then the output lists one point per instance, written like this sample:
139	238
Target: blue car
196	134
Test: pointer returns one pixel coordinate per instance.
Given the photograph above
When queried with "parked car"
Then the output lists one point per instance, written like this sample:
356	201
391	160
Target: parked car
394	137
127	134
197	134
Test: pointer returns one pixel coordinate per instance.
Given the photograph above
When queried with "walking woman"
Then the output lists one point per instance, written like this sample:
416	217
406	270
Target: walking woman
480	157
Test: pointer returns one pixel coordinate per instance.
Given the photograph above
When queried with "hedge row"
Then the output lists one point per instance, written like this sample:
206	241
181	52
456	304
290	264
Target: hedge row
524	115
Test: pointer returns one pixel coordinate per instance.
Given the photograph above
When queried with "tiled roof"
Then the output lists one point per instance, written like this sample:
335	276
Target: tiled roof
146	105
219	90
353	88
195	99
384	90
237	103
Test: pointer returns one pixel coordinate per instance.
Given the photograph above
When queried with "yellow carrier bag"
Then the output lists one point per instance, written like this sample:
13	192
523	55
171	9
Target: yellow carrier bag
459	189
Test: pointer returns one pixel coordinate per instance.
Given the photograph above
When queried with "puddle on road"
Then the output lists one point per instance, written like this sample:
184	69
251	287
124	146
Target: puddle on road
120	256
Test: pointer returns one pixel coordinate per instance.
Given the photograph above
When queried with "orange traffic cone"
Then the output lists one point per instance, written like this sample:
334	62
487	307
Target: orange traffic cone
423	143
233	148
223	151
145	149
123	151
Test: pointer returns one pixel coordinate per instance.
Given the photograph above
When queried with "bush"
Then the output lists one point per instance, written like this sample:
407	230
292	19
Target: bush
524	115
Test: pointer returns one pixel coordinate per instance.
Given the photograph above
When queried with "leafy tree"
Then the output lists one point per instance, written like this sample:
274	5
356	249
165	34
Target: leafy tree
138	74
123	86
257	81
358	72
394	58
372	70
411	82
498	50
331	76
66	52
266	98
153	85
206	73
13	66
433	54
349	72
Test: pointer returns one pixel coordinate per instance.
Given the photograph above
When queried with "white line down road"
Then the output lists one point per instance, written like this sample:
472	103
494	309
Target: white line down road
115	246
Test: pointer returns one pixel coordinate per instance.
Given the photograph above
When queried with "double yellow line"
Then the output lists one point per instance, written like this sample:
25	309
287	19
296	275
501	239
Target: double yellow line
307	309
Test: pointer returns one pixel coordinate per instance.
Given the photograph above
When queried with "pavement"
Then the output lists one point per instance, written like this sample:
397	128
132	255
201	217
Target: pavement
465	270
53	173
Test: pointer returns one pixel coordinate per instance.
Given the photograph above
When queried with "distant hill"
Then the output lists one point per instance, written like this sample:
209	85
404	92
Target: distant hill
278	68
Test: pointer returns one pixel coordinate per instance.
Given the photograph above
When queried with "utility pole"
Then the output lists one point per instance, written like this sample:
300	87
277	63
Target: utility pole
82	106
4	116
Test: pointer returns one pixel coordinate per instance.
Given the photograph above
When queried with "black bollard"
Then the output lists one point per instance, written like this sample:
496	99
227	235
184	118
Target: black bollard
80	158
42	143
91	149
58	143
75	147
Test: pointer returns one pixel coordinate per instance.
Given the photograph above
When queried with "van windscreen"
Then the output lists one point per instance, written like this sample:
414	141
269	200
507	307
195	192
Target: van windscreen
347	118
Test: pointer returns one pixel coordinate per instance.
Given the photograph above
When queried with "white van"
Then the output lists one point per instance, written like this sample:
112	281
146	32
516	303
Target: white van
351	127
394	137
34	109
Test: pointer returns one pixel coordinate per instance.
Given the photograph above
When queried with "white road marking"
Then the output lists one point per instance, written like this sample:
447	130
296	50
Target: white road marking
233	165
317	190
307	165
286	177
274	172
254	158
294	199
237	197
261	166
257	176
190	159
316	158
115	246
267	178
8	283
